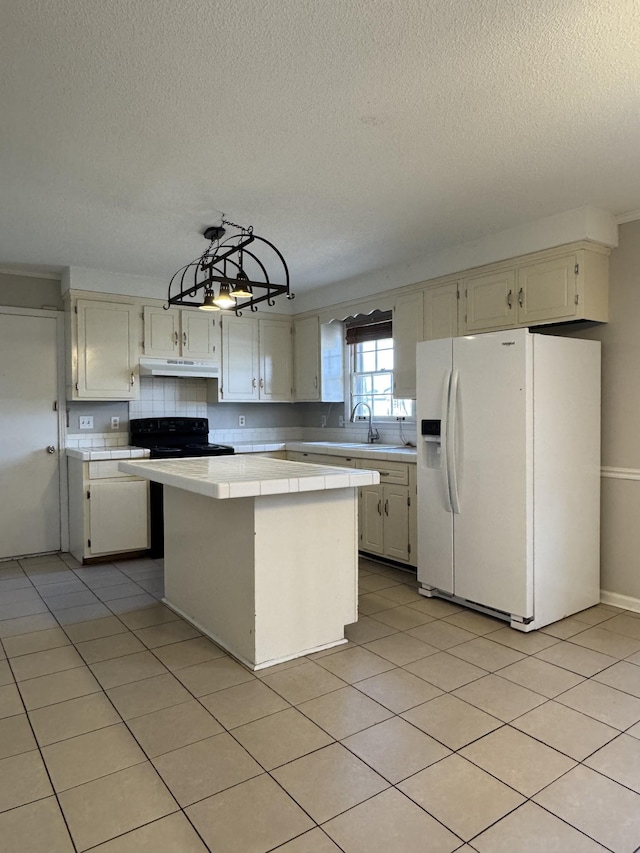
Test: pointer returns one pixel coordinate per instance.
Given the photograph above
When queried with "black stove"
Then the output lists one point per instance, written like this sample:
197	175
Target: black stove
170	438
175	438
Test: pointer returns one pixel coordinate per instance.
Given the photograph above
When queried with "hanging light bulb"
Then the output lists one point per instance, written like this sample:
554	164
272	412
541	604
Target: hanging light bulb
224	298
209	301
241	288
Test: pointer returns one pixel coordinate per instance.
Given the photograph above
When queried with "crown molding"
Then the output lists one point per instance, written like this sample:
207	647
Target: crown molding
631	216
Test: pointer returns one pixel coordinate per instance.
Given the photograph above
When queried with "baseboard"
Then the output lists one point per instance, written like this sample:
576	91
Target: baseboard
615	599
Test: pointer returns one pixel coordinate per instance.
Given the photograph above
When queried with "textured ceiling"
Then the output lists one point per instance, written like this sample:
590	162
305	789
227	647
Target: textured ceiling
354	134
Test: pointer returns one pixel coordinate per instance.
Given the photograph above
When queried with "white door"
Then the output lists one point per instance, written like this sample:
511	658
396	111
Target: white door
239	359
29	473
306	358
276	360
198	334
119	516
493	462
161	332
435	518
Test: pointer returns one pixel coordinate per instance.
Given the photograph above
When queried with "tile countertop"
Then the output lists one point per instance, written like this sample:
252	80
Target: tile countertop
90	454
243	476
372	451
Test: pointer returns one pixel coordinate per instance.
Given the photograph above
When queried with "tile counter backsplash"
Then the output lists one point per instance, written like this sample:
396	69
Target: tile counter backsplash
166	397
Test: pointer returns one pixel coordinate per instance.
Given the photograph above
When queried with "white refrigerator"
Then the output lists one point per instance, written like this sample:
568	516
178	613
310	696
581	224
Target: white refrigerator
509	474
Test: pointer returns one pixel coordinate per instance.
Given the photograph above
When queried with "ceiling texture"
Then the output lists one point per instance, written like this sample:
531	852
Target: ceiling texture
354	134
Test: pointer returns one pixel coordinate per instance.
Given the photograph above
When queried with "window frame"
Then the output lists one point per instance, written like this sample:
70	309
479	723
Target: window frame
368	399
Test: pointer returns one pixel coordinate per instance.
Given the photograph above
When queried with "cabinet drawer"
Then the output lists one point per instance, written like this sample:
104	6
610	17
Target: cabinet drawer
105	468
390	472
322	459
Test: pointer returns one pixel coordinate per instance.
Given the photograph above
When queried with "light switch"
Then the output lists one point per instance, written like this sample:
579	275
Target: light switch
86	421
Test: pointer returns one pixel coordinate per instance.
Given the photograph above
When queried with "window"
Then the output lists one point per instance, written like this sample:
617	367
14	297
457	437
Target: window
372	380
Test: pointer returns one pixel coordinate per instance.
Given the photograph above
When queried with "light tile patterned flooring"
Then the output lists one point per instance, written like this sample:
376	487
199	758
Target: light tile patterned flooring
123	730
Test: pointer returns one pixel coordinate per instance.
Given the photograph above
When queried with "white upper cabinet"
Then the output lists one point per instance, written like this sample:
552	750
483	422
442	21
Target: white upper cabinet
549	290
104	350
423	315
318	359
275	382
554	287
490	301
408	329
440	312
187	333
257	360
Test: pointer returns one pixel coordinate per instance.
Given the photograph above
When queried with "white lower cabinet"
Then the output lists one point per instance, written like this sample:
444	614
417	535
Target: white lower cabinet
108	511
387	514
387	521
384	521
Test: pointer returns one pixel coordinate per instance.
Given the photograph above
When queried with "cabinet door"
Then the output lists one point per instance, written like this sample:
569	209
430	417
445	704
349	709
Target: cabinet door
199	335
118	516
332	348
547	291
408	329
441	312
306	358
239	359
490	301
161	332
396	522
276	360
371	520
107	355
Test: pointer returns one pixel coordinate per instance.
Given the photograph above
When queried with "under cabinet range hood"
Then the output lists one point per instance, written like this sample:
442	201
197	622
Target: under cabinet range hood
186	367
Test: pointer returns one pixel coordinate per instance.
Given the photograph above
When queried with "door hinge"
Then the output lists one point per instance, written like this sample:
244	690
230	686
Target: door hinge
576	269
88	495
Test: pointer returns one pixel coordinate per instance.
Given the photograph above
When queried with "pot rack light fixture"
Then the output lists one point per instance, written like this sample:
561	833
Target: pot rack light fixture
235	273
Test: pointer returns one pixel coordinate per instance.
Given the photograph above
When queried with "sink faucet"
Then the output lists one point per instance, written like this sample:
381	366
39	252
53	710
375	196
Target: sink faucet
373	434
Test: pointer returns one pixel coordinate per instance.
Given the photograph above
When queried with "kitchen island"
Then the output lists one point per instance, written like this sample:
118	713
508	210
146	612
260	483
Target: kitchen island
260	554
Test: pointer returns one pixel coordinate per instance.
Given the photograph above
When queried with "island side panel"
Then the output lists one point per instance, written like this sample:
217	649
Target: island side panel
209	566
306	566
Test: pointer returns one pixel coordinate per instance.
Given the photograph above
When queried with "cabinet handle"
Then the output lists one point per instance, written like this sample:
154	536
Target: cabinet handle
380	507
133	379
521	297
184	338
175	338
262	383
253	382
509	299
386	507
384	473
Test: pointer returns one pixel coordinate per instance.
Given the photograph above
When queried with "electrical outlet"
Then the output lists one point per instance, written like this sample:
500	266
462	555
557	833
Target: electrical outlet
240	420
341	420
115	423
323	421
85	422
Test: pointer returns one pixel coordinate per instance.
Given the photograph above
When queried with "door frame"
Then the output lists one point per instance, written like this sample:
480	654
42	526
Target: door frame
58	316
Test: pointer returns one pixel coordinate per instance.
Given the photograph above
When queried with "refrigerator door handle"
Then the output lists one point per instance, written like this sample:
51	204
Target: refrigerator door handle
444	430
451	441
